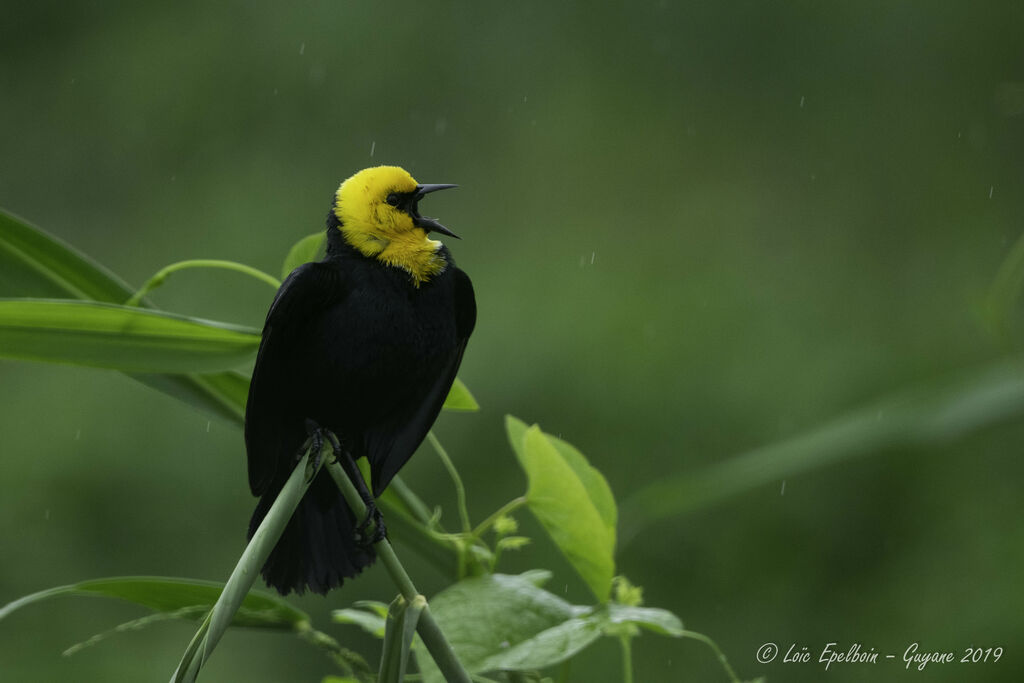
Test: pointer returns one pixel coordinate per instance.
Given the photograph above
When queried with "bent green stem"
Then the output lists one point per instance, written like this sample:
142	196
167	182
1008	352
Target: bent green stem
460	490
505	509
721	657
165	272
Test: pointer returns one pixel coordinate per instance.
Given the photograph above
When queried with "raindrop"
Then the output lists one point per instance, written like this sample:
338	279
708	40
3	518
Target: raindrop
373	146
78	435
990	189
592	254
783	491
302	49
801	101
208	427
46	514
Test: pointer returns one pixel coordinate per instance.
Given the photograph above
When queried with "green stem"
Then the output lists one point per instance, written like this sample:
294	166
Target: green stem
165	272
417	508
460	490
505	509
721	657
244	575
627	658
438	646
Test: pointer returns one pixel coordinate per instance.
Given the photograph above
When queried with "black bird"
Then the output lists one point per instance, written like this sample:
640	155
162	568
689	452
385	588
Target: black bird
364	343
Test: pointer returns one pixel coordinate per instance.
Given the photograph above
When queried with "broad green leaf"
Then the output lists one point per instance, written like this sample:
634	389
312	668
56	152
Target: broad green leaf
459	398
484	617
572	501
658	620
161	594
593	481
35	263
119	337
309	248
553	646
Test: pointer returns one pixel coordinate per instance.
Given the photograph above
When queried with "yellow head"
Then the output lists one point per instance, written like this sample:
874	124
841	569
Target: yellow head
379	213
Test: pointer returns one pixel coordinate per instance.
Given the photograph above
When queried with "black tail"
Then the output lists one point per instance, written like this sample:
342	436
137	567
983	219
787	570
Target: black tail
318	549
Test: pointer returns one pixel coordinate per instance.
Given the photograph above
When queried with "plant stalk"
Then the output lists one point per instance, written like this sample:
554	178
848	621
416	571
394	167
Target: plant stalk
244	575
437	645
460	490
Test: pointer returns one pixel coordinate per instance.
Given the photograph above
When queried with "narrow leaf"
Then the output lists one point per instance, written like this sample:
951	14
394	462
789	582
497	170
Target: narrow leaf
222	394
35	263
167	595
935	412
119	337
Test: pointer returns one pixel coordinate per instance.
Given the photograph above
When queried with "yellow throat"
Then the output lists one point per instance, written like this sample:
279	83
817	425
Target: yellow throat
374	220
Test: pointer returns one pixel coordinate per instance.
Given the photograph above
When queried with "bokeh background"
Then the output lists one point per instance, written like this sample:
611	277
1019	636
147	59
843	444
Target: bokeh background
694	229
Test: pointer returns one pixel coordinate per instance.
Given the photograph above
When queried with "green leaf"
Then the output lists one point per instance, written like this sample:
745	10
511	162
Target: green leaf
35	263
309	248
937	411
119	337
652	618
598	490
547	648
223	394
501	621
459	398
572	501
162	594
372	623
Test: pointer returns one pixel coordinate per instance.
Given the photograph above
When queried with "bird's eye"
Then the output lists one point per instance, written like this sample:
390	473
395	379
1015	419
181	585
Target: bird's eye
392	199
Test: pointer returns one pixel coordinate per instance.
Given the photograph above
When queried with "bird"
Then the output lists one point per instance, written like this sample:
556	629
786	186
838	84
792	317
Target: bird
363	346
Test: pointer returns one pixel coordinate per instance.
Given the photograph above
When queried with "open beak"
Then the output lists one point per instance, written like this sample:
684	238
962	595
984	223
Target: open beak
429	224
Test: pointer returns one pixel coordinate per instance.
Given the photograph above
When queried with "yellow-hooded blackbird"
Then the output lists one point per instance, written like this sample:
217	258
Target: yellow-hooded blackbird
364	343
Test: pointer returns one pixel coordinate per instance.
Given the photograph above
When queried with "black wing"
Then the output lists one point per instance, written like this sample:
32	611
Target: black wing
408	430
272	431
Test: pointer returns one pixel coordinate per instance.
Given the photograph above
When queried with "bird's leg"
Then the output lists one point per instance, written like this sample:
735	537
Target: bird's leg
373	513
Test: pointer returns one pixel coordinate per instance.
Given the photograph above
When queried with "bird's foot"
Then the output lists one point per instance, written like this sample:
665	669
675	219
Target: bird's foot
380	531
315	443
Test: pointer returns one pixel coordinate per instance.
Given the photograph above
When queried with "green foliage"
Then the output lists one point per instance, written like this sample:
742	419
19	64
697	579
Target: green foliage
163	594
494	622
571	499
309	248
119	337
43	265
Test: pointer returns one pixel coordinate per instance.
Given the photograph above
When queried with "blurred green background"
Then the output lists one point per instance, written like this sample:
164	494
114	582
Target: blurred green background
694	229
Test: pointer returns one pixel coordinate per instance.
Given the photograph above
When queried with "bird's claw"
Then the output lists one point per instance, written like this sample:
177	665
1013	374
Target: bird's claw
380	531
315	443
